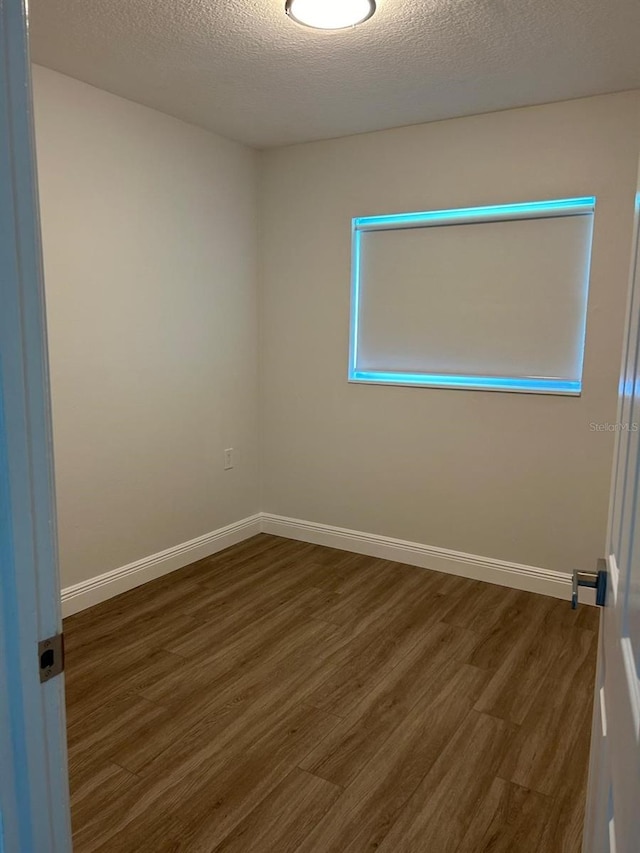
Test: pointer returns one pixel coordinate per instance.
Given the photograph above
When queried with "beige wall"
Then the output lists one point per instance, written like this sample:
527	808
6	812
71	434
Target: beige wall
149	231
150	242
510	476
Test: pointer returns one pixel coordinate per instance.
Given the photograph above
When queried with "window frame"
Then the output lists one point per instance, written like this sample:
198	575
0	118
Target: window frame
580	206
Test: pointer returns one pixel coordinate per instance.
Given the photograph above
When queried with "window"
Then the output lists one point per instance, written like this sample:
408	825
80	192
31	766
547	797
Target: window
490	298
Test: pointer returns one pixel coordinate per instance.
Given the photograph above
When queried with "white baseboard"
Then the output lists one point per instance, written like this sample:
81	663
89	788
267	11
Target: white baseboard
514	575
93	591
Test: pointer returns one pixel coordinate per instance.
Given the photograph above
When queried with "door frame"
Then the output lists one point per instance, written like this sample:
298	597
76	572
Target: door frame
615	724
34	796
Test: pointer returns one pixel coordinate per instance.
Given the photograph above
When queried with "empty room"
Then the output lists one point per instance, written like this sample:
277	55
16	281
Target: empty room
319	426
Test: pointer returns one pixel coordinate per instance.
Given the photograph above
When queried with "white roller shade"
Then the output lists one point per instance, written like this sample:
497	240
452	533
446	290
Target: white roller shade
485	298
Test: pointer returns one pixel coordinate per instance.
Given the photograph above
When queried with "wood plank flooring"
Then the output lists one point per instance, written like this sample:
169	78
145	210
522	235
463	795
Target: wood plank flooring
282	697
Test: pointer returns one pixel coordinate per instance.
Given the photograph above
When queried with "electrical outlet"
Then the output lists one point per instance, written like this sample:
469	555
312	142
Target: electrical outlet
228	458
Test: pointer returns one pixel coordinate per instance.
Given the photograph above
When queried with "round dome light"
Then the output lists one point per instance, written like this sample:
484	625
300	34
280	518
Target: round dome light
330	14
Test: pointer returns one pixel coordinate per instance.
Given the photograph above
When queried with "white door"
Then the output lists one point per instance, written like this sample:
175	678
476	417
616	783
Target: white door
613	807
34	802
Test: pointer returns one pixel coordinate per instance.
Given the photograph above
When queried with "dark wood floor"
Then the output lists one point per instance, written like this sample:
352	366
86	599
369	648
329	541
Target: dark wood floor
283	697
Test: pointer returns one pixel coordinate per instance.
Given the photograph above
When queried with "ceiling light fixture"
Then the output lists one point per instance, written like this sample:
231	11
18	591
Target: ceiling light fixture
330	14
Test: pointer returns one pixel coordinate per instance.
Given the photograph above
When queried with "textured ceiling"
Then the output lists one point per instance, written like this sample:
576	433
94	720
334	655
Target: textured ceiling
245	70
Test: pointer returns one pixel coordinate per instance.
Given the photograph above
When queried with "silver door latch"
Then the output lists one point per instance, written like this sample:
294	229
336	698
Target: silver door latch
593	580
51	657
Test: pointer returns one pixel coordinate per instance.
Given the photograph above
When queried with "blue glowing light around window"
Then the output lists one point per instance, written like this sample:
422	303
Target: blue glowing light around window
493	213
479	383
496	212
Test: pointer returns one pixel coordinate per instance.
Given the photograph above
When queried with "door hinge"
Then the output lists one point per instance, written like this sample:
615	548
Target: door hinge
51	657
